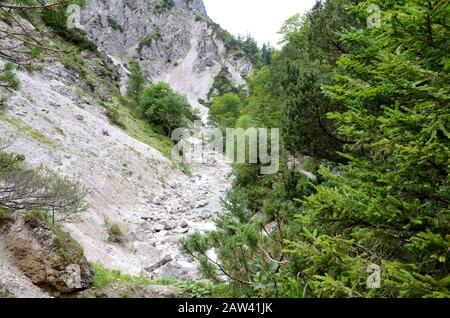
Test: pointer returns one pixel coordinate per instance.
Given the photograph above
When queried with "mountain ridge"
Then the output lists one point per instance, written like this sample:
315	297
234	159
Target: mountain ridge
177	45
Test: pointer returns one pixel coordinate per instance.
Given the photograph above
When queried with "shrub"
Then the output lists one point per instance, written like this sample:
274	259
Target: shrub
163	5
136	80
114	116
56	20
24	188
25	46
231	43
115	234
148	40
8	78
305	126
164	108
243	47
4	212
290	235
198	17
225	110
222	84
114	24
203	102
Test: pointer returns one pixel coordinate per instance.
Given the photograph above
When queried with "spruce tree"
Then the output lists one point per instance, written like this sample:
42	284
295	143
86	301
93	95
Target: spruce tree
390	204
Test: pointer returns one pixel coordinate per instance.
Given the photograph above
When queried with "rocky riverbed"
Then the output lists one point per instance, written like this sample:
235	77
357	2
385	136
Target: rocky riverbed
184	207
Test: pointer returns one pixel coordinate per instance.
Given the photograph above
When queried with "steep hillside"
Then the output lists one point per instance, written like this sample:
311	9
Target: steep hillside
60	119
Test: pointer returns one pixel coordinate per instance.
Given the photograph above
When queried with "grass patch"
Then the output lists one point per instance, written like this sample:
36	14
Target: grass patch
72	59
115	234
104	277
28	131
193	289
114	116
148	40
66	245
54	126
198	17
56	20
139	129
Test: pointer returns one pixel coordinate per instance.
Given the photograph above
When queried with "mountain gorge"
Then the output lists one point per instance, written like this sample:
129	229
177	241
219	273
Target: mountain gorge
354	108
59	118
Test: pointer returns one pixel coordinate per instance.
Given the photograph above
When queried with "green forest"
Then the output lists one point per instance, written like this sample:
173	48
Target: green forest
366	110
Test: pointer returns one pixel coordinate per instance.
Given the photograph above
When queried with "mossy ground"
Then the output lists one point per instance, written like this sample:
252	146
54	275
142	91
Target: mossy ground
194	289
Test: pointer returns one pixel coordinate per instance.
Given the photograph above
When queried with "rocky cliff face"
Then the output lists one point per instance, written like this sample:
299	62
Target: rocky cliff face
174	44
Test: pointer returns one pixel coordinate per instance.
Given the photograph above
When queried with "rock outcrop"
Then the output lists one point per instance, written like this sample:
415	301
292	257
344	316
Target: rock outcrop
49	257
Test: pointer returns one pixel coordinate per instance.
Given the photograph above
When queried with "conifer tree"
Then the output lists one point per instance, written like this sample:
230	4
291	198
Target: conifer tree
390	204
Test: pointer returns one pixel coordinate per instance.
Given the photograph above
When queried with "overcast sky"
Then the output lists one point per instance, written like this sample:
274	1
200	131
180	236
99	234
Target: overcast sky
260	18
